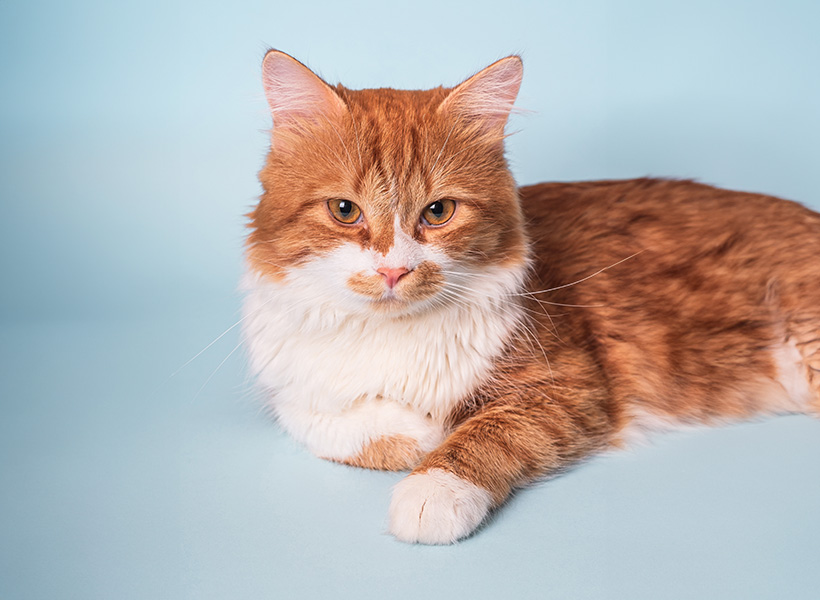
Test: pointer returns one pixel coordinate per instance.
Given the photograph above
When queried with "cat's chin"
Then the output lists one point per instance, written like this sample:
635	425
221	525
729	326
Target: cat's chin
392	305
395	307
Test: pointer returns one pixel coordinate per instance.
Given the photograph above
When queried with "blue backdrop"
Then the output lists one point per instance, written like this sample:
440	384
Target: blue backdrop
130	136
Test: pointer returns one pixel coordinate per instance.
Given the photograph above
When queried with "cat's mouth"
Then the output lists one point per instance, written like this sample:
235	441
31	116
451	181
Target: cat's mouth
395	299
412	288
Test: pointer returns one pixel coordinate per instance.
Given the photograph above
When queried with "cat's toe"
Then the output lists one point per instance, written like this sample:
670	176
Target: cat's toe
437	507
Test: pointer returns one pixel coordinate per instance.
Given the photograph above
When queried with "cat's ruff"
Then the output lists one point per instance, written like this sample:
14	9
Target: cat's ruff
341	380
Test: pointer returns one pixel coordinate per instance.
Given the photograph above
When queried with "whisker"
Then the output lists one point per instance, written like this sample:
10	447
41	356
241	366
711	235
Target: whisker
554	330
566	285
528	333
466	274
219	366
219	337
561	303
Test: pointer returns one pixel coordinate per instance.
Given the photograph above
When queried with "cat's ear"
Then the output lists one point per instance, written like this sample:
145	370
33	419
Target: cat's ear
488	96
296	95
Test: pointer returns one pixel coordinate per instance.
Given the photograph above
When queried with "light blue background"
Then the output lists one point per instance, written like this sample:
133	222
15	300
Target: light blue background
130	135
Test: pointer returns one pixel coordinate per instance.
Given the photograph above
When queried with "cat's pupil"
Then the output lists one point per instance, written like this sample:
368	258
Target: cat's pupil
345	208
437	209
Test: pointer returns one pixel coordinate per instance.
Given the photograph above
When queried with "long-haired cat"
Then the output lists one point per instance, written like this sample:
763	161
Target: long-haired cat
408	307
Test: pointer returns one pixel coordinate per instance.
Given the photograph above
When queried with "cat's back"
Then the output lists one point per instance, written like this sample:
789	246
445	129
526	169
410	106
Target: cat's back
677	226
628	206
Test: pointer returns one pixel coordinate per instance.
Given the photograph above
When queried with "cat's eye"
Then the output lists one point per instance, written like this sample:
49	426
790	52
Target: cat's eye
344	211
439	212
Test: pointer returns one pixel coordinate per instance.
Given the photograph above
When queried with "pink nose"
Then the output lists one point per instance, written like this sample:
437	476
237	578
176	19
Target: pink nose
392	276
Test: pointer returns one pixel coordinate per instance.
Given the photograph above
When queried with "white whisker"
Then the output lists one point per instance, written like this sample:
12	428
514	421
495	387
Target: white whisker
566	285
528	333
219	337
219	366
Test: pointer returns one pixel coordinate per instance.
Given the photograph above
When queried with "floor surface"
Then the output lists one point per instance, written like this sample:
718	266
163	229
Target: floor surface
120	482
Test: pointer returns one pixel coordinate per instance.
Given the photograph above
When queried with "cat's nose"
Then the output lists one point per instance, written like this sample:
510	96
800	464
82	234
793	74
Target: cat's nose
392	276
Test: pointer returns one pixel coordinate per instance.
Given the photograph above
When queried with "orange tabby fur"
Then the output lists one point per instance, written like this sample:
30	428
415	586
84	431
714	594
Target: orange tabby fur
704	284
647	302
394	453
385	155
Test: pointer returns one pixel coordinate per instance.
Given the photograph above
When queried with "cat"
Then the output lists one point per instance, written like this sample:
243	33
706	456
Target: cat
408	307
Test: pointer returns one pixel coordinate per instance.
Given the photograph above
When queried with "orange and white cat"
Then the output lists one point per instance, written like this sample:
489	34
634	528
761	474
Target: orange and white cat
409	307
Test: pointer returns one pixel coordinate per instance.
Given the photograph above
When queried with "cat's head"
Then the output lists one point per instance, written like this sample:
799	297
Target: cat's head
387	201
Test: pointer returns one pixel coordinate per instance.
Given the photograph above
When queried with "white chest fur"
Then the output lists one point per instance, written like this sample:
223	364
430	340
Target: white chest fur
308	353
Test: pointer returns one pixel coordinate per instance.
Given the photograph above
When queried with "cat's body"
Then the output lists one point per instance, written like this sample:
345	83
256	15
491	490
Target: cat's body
527	329
711	310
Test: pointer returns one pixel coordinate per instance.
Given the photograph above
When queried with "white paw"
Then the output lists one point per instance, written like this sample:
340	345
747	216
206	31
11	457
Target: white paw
344	435
437	507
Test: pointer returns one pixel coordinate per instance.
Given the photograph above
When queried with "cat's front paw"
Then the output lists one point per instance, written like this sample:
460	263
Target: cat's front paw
388	453
437	507
396	438
376	434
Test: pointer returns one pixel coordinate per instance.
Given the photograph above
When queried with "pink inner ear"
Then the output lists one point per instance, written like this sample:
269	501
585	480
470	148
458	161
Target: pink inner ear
490	94
295	93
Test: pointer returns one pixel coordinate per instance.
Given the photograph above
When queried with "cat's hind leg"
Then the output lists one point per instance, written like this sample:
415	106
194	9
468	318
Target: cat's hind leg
797	359
809	349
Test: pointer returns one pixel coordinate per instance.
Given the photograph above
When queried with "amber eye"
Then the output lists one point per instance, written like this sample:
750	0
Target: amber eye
344	211
439	212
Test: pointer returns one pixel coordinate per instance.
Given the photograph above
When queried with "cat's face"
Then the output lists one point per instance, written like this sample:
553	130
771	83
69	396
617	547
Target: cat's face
386	201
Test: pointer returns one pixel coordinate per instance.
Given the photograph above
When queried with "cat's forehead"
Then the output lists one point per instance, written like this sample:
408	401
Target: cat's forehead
394	137
398	105
396	129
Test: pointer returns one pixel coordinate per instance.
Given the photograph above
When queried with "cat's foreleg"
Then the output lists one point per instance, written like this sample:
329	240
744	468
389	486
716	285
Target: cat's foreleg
507	444
373	433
